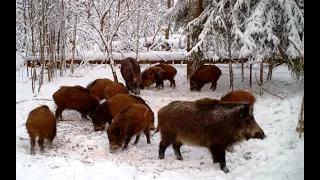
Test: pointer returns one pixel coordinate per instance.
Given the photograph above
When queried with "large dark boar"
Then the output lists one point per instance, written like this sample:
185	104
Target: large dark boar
131	120
113	89
109	109
170	73
205	74
131	72
153	74
239	96
75	98
42	123
208	123
97	87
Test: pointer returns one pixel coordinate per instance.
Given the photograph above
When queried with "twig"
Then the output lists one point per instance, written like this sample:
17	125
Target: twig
285	174
43	99
21	101
272	93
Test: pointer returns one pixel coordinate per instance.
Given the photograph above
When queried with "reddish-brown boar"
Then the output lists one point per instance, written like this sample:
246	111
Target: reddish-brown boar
113	89
153	74
170	73
97	87
206	123
131	120
41	123
239	96
75	98
109	109
205	74
131	73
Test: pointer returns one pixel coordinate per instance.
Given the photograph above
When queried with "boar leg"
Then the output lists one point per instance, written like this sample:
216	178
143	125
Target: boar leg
176	147
40	142
173	83
214	85
146	131
137	138
33	144
162	147
127	142
219	155
59	113
84	116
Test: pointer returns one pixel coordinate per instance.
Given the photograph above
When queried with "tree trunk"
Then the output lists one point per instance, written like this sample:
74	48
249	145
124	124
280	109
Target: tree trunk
193	64
300	127
138	22
261	78
242	70
270	70
250	75
168	29
230	63
74	43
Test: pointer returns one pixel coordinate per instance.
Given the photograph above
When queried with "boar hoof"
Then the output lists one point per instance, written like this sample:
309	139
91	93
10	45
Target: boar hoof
225	170
161	156
179	158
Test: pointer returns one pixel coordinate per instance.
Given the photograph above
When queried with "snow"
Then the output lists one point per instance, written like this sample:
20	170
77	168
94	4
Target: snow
80	153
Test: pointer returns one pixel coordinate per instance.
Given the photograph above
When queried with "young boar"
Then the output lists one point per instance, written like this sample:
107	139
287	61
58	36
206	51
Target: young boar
208	123
97	87
131	73
205	74
170	73
239	96
131	120
75	98
153	74
113	89
109	109
41	123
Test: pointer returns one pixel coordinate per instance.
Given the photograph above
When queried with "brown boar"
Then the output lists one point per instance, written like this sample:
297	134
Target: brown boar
153	74
206	123
41	123
205	74
131	73
109	109
113	89
131	120
239	96
170	73
97	87
75	98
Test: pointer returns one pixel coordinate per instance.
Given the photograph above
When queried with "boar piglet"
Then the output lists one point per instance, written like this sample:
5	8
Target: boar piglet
131	120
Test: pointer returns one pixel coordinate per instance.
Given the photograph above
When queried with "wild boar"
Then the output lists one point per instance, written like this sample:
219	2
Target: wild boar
207	123
41	123
113	89
205	74
97	87
131	73
75	98
153	74
131	120
109	109
170	73
239	96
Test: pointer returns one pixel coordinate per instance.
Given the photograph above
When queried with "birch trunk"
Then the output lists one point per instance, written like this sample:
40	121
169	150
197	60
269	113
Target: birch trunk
261	78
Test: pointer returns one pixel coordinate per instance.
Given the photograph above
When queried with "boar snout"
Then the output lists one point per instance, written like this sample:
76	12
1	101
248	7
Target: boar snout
259	135
99	128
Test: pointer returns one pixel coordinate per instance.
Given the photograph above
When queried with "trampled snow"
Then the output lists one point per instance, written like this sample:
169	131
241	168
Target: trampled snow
80	153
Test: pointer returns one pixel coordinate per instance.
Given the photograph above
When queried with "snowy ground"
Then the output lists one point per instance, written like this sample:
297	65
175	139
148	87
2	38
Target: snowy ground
80	153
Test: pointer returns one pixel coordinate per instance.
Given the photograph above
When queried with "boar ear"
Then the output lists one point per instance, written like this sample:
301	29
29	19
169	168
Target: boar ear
244	111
